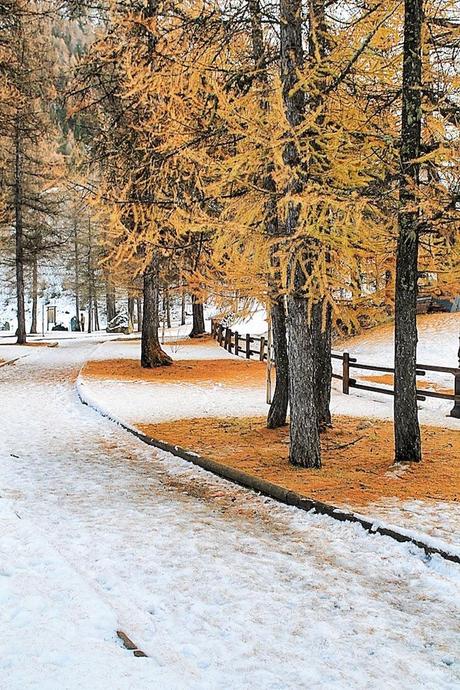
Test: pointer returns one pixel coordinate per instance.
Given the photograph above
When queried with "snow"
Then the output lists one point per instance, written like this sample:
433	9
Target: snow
220	587
53	619
438	345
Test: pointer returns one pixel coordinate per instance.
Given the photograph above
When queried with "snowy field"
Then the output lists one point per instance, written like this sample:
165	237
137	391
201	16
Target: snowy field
221	588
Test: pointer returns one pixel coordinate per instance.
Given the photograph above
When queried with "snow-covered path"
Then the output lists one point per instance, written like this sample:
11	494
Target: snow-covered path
222	589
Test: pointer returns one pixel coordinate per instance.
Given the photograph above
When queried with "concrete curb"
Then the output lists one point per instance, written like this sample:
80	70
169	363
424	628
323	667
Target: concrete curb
274	491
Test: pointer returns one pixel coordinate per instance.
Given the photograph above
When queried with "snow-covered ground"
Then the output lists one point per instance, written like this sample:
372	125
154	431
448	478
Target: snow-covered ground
438	345
219	587
141	402
218	400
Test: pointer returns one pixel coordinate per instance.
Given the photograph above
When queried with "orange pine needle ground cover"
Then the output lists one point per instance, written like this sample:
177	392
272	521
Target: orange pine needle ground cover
354	475
232	372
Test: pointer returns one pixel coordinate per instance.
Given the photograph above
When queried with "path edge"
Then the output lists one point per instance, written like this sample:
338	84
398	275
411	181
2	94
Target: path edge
12	361
266	488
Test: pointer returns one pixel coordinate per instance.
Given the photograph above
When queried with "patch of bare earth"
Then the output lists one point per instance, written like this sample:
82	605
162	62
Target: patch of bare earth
357	458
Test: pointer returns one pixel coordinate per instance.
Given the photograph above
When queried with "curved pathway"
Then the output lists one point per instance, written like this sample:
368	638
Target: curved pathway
219	587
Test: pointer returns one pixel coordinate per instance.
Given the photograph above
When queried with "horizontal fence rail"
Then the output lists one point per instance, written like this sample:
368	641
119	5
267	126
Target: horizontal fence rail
255	347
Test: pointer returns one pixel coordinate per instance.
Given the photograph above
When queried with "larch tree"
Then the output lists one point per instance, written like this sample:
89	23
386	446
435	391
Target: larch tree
407	430
32	165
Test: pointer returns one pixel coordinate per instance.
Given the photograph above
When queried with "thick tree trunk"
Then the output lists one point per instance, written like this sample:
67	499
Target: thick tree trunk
139	313
19	232
34	324
305	450
198	327
322	337
77	276
279	405
407	430
151	353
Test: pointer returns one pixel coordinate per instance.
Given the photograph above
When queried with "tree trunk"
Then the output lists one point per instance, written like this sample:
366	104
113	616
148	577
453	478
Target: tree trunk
77	276
96	312
182	309
110	301
322	334
131	312
139	313
90	310
166	308
90	281
19	232
279	405
407	430
278	409
305	448
34	324
151	353
198	327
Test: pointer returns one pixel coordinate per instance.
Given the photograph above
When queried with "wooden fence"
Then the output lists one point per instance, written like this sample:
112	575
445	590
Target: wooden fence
254	347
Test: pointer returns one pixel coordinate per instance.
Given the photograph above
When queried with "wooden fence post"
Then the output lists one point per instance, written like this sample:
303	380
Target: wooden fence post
220	334
346	373
228	342
248	346
237	343
262	349
455	411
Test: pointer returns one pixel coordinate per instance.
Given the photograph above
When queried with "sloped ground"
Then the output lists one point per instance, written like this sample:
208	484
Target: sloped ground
438	345
220	587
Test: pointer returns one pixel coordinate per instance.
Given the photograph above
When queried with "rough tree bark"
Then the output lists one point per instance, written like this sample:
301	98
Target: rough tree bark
321	317
151	353
198	327
304	448
322	335
19	232
277	413
406	425
278	409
